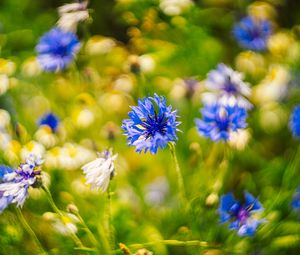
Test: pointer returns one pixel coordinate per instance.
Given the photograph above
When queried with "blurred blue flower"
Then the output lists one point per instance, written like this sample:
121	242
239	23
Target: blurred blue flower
295	121
239	215
4	200
227	87
57	49
296	200
151	124
218	121
50	120
4	170
15	183
252	33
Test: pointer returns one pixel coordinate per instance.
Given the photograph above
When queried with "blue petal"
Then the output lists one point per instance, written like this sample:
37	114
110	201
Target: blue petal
4	170
252	202
227	202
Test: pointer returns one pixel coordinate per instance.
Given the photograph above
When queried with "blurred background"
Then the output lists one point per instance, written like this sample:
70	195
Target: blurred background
131	49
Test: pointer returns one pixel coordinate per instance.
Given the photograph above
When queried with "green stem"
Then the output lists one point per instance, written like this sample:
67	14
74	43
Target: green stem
191	243
179	174
87	230
29	230
290	172
109	221
75	238
51	201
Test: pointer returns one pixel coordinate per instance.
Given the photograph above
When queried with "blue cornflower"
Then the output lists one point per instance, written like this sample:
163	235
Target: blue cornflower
57	49
296	200
295	121
252	33
50	120
218	121
15	183
4	201
151	125
227	87
240	215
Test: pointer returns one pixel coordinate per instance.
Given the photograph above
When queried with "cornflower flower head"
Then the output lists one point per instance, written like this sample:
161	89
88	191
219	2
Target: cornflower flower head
294	123
252	33
50	120
219	121
296	200
57	49
227	87
151	125
100	171
15	183
240	215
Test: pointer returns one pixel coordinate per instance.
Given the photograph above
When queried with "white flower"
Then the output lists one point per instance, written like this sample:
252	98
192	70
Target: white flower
4	83
227	88
32	148
274	86
45	136
65	225
71	15
18	191
174	7
99	172
72	156
4	119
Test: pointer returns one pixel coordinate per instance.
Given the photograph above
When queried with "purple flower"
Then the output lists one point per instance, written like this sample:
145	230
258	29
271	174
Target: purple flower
57	49
227	87
151	125
252	33
218	121
15	183
240	215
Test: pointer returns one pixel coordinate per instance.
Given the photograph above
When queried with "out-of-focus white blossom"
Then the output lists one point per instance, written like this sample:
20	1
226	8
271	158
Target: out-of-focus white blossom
124	83
84	118
32	148
7	66
65	225
68	157
4	119
273	87
72	156
97	45
174	7
144	63
4	83
31	67
147	63
239	139
45	136
71	15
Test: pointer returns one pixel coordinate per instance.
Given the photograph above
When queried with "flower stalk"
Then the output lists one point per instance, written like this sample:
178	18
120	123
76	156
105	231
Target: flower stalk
75	238
30	230
180	181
